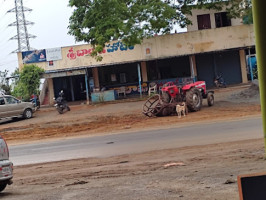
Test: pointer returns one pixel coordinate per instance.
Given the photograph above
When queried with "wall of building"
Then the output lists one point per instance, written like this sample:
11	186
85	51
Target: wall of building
158	47
196	12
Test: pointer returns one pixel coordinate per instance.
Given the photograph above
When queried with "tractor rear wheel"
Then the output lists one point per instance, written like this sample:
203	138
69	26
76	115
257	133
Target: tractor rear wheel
166	97
194	99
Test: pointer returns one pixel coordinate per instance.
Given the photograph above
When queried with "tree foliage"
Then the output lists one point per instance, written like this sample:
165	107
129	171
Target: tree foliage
98	22
4	86
28	82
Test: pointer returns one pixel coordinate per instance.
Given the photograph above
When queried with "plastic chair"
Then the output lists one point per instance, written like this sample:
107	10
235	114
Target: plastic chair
152	88
122	90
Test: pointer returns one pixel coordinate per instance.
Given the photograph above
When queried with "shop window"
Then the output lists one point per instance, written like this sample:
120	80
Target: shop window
123	78
222	19
204	21
113	77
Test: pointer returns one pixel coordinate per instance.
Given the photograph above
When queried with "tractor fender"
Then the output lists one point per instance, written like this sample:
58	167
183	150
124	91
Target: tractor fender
188	86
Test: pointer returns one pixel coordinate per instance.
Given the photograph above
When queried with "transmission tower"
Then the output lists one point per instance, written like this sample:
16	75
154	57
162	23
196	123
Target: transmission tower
21	24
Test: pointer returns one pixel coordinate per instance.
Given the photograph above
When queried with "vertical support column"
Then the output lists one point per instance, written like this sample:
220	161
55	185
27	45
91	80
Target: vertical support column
214	65
259	8
193	67
87	87
95	75
72	89
139	75
243	65
51	91
144	71
250	65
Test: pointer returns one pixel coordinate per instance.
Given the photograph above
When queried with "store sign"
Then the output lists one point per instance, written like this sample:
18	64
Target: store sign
34	56
53	54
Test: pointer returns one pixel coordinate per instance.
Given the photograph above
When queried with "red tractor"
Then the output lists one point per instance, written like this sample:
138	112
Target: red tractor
164	104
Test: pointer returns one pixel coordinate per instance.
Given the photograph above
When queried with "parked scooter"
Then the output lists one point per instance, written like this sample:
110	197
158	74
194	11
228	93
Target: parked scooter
219	81
60	103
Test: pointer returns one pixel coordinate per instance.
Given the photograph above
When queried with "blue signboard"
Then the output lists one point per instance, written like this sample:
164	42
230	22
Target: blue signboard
34	56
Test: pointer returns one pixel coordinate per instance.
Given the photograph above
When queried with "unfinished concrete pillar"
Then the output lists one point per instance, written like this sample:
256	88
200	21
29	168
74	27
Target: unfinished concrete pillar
243	65
193	66
95	75
51	90
144	72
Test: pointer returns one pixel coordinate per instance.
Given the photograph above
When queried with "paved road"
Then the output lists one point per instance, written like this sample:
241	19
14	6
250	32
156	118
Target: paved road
118	144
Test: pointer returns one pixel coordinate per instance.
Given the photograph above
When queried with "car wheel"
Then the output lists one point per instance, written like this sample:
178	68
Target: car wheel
27	114
2	186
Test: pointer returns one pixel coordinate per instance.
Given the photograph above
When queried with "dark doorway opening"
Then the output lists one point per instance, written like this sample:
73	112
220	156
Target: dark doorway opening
176	67
204	21
118	75
74	87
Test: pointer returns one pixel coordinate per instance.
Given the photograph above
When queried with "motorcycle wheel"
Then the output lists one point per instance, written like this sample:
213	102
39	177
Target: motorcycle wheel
60	110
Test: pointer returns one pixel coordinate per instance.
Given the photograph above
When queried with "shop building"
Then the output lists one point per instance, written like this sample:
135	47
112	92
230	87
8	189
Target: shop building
199	54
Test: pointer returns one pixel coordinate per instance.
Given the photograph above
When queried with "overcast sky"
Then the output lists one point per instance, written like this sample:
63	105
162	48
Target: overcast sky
51	18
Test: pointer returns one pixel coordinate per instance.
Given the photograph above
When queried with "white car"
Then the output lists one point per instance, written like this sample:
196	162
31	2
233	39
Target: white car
10	107
6	166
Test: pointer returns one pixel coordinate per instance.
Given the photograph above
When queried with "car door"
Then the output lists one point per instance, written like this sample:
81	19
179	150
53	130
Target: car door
14	108
3	107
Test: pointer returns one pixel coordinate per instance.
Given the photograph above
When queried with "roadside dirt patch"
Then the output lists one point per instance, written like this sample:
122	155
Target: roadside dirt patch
199	172
207	172
125	117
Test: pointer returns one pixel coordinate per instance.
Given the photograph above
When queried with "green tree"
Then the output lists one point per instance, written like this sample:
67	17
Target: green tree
4	86
98	22
28	82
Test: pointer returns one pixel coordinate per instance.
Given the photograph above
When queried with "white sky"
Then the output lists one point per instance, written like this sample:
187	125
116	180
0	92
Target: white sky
51	18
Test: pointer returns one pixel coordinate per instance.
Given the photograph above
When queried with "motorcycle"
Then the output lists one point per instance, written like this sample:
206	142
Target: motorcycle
35	100
219	81
61	104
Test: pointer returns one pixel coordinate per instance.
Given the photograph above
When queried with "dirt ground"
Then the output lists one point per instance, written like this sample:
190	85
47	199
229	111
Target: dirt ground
198	172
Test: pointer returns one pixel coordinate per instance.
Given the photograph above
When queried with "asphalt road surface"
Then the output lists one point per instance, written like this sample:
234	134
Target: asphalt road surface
137	142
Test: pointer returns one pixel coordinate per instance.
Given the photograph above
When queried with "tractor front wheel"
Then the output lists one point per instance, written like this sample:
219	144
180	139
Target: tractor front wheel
194	99
210	99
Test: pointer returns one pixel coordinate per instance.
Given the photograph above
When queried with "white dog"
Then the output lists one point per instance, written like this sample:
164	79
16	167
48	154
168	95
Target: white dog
181	109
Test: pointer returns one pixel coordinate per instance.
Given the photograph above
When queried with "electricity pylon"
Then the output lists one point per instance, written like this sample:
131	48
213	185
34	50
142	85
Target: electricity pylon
21	23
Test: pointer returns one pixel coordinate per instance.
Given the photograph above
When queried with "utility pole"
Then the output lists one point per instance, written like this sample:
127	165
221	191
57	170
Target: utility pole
21	24
259	8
